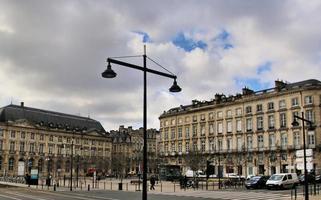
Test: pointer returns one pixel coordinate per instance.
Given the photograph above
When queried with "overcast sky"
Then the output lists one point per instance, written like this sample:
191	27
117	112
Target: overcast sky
52	53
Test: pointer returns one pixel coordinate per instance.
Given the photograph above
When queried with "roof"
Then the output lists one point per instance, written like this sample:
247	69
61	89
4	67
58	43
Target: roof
221	99
49	119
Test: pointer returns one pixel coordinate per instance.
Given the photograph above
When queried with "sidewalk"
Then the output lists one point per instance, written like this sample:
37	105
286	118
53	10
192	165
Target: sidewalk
164	188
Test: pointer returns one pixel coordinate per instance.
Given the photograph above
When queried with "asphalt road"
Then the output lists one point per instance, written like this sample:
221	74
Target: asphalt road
16	193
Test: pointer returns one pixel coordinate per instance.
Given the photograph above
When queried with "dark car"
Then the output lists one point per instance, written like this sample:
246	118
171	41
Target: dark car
256	182
311	178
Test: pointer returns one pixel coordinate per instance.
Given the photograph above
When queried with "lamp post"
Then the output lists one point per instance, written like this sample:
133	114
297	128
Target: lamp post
296	123
48	171
71	162
109	73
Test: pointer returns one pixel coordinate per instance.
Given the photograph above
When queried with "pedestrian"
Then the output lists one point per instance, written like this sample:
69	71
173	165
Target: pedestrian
152	183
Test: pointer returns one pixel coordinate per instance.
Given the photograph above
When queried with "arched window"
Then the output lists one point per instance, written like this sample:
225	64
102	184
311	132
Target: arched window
50	165
40	165
58	165
67	166
30	164
11	164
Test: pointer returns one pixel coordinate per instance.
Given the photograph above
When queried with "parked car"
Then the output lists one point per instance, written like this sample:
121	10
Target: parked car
318	178
256	182
281	181
311	178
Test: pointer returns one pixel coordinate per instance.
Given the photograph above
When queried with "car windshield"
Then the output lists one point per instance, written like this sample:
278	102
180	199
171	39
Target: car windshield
256	178
276	177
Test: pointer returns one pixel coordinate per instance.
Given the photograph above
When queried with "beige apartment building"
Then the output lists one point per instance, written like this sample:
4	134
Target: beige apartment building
127	156
48	141
248	133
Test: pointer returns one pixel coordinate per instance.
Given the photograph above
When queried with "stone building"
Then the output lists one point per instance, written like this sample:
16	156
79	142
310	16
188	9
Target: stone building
128	150
248	133
48	141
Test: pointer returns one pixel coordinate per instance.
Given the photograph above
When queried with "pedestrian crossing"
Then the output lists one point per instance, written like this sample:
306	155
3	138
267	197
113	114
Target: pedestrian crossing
232	195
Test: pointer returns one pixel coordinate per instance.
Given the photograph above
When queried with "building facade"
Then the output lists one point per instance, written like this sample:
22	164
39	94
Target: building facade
127	156
248	133
48	141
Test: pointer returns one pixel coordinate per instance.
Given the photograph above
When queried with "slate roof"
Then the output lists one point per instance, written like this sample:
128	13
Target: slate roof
49	119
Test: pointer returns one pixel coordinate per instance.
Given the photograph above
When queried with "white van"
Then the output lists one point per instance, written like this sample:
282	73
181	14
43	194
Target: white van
284	180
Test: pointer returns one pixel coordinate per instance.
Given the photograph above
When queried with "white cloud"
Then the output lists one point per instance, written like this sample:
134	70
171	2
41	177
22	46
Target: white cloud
52	53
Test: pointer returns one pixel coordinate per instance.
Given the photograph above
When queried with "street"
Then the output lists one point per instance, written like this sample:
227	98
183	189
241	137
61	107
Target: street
18	193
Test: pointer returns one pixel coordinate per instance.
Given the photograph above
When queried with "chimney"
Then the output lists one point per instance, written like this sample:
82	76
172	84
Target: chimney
279	84
247	91
218	98
22	104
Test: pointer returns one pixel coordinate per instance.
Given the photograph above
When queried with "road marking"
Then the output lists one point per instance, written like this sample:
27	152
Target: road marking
25	195
1	195
77	196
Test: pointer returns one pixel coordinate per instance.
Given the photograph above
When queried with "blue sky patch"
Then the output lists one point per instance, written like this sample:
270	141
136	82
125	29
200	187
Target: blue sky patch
188	44
146	37
264	68
252	83
223	40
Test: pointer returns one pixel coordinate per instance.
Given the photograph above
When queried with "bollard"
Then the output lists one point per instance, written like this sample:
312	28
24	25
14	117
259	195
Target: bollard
161	187
80	185
55	187
174	186
105	185
295	193
42	186
111	185
126	186
88	187
315	188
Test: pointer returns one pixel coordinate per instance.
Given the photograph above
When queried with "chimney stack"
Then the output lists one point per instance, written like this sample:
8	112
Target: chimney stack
22	104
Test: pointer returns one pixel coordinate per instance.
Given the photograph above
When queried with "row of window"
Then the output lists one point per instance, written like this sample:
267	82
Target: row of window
309	115
41	164
15	134
217	144
61	149
308	100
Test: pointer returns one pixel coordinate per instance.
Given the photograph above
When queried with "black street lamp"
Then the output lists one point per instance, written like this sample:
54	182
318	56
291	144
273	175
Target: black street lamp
48	170
109	73
71	162
296	123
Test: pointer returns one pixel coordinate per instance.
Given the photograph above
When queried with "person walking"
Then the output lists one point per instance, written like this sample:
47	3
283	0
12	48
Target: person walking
152	183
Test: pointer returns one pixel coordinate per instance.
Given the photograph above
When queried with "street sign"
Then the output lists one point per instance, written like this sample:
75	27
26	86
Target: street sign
34	174
299	153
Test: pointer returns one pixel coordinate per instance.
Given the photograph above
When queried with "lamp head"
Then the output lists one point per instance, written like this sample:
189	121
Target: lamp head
109	72
295	123
175	87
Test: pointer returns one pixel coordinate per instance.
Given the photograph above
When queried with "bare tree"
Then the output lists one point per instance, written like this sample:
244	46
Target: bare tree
195	160
119	164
